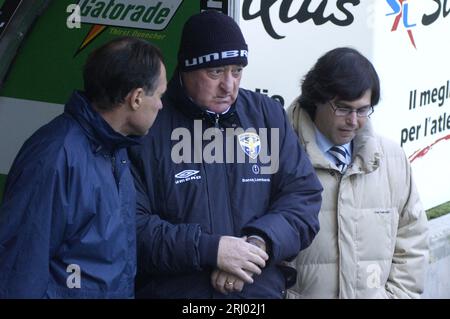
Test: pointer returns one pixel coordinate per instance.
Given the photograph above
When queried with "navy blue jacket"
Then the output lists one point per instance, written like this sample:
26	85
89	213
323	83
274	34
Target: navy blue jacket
184	207
68	209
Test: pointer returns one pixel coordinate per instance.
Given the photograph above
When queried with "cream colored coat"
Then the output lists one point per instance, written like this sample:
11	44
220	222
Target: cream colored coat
373	240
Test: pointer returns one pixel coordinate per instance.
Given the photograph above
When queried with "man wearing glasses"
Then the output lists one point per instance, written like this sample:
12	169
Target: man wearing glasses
373	237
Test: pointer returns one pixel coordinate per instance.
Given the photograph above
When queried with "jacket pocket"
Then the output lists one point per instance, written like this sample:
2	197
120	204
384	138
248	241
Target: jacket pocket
376	231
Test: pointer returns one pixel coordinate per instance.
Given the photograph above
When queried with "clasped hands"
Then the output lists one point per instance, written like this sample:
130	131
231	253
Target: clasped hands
237	262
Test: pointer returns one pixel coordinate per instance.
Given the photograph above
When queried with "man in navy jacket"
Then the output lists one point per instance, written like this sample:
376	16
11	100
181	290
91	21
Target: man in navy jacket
225	194
67	220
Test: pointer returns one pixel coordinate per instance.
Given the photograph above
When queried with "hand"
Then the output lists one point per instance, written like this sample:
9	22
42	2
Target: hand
225	282
240	258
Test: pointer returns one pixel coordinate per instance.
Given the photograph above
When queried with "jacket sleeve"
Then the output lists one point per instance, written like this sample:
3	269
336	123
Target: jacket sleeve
30	216
410	259
163	247
291	221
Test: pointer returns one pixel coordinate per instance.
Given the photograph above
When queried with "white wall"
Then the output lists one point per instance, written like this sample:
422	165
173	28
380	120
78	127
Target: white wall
18	120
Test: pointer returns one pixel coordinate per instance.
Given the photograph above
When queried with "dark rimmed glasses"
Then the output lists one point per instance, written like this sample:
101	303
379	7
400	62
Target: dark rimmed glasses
341	111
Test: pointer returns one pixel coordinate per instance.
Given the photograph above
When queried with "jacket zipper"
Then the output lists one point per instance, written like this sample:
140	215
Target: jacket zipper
113	165
114	170
230	210
216	123
225	173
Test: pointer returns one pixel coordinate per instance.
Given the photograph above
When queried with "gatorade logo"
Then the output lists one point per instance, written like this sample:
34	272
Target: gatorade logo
142	14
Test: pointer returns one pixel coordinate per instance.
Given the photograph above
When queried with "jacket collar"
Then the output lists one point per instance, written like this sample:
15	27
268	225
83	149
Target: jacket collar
99	132
366	149
178	97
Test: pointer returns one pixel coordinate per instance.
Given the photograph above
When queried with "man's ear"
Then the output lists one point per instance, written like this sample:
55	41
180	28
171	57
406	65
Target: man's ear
135	97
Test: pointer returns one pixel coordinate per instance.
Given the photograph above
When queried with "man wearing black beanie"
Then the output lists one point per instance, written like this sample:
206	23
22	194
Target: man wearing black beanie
225	193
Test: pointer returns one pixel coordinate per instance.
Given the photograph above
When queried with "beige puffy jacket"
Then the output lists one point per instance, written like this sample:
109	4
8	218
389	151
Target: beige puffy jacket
373	239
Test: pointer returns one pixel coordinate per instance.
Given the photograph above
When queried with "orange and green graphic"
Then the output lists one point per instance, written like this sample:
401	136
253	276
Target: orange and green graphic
48	66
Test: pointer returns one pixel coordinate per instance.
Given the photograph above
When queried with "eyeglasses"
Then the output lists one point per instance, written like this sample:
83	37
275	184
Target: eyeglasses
364	111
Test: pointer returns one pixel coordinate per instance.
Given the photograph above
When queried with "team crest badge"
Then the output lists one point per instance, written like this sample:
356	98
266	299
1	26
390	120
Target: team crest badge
250	144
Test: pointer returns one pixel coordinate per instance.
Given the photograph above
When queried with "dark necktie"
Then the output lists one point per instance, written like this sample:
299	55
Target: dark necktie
340	155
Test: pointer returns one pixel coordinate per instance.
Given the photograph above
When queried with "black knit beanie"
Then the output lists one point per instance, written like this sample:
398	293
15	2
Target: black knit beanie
211	39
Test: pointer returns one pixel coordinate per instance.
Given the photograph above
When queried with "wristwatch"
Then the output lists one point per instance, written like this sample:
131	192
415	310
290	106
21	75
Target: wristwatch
257	241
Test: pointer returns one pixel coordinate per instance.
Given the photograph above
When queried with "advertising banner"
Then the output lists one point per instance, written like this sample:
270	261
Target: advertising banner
405	40
411	53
